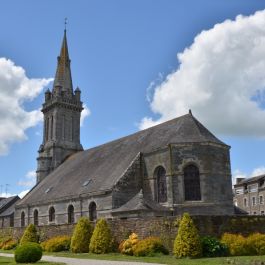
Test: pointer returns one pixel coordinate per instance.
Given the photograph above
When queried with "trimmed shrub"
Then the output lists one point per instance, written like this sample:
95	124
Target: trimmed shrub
127	246
10	244
237	244
149	247
212	247
101	240
56	244
187	242
256	244
28	253
30	235
81	236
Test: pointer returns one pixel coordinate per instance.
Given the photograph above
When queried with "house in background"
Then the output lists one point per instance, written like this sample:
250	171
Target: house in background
250	194
7	209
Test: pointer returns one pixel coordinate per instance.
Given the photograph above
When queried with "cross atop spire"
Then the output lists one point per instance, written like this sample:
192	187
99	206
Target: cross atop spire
63	79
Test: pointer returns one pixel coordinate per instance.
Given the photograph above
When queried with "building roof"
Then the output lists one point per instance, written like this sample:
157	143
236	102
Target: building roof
102	166
249	180
6	203
139	203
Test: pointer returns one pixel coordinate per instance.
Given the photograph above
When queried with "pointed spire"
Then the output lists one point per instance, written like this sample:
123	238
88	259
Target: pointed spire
63	79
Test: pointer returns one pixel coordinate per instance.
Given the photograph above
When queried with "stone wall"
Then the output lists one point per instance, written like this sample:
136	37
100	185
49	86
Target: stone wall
164	227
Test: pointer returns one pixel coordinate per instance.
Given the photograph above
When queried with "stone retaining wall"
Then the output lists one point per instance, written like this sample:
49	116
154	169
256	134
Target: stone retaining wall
164	227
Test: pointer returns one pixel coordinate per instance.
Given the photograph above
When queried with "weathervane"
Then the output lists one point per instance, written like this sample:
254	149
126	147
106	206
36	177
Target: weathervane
65	23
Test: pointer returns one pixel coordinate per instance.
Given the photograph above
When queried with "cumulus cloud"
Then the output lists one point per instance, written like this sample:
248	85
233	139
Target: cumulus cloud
29	180
221	77
15	89
86	112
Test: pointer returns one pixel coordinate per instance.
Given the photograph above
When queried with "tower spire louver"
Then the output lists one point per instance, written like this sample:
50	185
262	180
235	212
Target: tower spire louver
62	110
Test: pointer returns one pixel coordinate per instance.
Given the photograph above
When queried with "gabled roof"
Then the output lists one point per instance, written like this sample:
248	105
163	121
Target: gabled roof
102	166
5	203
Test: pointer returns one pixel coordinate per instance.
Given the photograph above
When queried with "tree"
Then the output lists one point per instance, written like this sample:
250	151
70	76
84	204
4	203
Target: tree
30	235
187	242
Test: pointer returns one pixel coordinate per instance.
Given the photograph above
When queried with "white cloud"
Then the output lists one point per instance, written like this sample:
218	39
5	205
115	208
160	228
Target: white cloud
86	112
221	77
23	193
15	89
29	180
258	171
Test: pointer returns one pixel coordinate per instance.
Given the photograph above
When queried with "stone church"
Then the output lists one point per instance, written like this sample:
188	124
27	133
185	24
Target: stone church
177	166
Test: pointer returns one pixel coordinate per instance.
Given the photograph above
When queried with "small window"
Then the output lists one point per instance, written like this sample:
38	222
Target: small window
239	191
261	201
22	219
254	213
262	212
92	211
253	201
245	202
161	184
48	190
71	217
36	217
51	214
86	182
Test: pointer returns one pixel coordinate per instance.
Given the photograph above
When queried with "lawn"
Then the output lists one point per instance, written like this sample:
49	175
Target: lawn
11	261
162	259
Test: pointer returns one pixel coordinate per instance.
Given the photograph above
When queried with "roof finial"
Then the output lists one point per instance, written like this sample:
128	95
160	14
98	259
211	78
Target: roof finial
190	112
65	23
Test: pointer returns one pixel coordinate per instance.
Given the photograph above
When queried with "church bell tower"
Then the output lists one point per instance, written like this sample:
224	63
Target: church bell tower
62	110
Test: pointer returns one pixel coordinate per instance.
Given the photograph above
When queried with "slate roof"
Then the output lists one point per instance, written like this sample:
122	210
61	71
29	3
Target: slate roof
249	180
105	164
6	203
139	203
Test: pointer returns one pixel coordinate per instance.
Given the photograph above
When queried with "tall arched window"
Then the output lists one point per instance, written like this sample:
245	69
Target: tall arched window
36	217
22	219
161	183
192	183
71	217
92	211
51	214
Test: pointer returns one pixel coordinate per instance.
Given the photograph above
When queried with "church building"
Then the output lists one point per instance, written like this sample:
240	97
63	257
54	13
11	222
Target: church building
174	167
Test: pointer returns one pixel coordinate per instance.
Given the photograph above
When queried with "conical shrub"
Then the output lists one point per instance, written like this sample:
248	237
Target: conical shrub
101	240
30	235
187	242
81	236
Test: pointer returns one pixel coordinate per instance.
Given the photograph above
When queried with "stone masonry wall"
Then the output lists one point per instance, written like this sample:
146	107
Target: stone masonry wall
164	227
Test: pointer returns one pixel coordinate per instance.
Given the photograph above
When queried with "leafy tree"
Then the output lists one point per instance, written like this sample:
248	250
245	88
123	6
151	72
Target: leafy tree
30	235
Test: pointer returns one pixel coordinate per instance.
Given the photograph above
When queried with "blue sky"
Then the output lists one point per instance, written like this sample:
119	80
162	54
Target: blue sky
124	59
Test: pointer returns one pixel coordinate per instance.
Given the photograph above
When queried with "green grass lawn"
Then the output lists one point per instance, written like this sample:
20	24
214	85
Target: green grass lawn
11	261
162	259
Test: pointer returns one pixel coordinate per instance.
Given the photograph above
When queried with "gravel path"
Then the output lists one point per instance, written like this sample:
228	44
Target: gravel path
73	261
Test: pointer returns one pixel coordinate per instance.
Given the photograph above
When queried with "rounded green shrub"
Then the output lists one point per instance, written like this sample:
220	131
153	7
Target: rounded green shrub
101	240
81	236
212	247
28	253
149	247
187	242
56	244
30	235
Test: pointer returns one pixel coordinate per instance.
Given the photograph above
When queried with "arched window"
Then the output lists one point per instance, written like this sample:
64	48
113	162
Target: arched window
92	211
161	183
192	183
51	214
22	219
36	217
71	217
